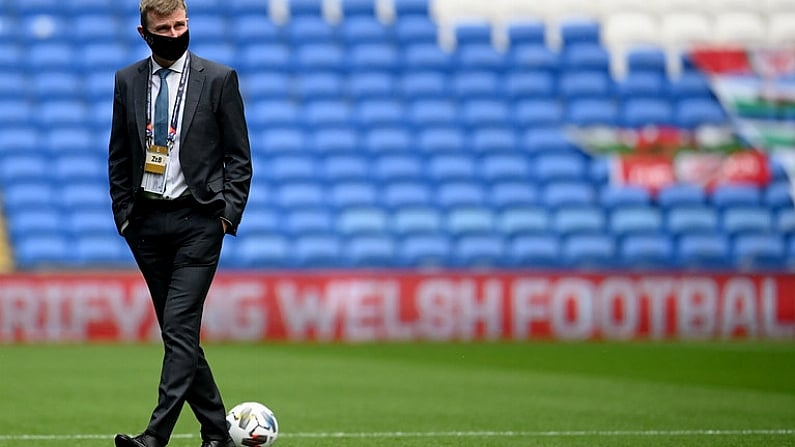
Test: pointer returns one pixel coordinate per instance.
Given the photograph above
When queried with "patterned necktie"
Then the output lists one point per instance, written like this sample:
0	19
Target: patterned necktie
161	109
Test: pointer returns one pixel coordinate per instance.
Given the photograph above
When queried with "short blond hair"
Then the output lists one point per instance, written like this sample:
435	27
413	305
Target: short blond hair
159	7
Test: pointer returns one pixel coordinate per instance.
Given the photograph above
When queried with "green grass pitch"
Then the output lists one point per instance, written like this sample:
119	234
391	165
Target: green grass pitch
423	394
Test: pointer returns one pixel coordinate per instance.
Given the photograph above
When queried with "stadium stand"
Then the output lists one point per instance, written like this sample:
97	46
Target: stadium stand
403	133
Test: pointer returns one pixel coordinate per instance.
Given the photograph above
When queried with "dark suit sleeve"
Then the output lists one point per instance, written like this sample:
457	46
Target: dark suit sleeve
237	151
119	170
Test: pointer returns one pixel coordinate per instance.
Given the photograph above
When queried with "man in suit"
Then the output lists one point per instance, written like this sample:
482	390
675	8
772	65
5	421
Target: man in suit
180	169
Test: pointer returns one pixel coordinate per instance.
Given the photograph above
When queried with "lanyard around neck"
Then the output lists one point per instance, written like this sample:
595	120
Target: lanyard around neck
172	128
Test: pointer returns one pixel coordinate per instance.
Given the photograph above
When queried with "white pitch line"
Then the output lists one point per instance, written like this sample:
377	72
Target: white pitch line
456	434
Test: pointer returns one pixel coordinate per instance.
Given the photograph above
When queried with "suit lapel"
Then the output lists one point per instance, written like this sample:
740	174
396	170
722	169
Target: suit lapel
140	85
193	93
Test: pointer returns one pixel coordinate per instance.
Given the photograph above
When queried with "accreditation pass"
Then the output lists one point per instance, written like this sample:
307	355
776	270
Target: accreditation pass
155	169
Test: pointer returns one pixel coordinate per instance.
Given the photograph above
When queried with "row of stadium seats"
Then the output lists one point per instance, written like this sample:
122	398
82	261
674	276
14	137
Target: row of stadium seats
332	250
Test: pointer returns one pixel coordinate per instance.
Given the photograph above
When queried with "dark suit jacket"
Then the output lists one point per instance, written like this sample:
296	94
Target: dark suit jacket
214	145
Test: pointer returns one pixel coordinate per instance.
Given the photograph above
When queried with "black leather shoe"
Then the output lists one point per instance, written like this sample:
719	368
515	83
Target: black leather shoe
227	443
142	440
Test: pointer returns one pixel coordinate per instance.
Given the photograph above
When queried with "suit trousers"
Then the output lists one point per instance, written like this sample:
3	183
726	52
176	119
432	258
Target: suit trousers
176	245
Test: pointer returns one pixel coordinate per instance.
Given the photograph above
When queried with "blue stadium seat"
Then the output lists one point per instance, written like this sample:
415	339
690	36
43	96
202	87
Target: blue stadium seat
352	194
578	220
691	113
647	251
373	56
254	26
567	193
262	220
207	27
396	195
549	140
74	167
469	221
525	32
379	113
523	220
28	222
534	57
16	111
592	112
641	112
451	167
785	221
101	251
388	140
586	57
321	86
729	195
280	141
14	84
691	219
537	113
28	194
361	220
320	56
487	113
415	220
585	84
536	251
50	55
259	251
358	9
371	86
504	194
415	30
479	251
483	57
16	168
334	140
409	8
75	141
527	85
446	140
579	31
327	113
301	194
457	194
38	251
416	85
357	29
426	56
690	84
635	220
343	168
273	113
560	167
476	84
299	9
56	84
85	193
307	221
103	55
642	85
317	251
680	194
651	60
505	167
589	251
266	55
495	140
703	251
472	32
612	196
759	252
426	113
371	251
287	168
90	220
778	195
390	168
425	251
738	220
257	85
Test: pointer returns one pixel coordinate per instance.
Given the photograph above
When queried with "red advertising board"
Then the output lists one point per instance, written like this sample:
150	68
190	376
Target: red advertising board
355	306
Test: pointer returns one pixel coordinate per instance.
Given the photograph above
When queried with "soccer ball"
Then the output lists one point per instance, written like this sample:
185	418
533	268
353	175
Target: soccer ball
252	424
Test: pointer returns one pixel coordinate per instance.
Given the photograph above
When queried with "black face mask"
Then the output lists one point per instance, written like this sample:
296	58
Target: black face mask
168	48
